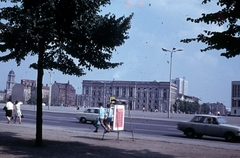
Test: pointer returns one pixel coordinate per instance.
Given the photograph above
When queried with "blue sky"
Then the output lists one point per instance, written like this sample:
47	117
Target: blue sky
156	24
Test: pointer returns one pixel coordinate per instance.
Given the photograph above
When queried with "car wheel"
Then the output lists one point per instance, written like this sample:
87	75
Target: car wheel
83	120
199	135
190	133
229	137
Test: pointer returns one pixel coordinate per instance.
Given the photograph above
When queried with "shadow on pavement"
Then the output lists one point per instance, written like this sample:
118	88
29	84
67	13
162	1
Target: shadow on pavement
11	145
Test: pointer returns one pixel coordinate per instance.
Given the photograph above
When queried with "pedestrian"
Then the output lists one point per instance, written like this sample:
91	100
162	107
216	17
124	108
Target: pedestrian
18	112
9	110
109	113
102	117
96	124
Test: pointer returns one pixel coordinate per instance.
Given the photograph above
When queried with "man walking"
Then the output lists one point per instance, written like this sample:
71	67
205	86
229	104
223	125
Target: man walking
102	115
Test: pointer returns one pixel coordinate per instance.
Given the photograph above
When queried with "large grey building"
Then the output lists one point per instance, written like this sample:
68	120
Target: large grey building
150	95
23	91
235	98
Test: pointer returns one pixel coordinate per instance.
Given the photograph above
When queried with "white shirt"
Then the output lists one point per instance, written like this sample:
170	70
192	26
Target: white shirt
9	105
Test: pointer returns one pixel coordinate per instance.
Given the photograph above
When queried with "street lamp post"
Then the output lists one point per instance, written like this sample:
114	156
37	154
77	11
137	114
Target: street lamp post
170	80
104	93
50	90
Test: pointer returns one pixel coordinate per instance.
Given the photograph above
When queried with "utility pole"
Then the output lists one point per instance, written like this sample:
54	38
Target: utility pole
170	78
50	90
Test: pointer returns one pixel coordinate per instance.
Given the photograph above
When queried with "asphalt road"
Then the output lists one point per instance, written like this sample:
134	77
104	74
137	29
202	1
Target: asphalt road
68	121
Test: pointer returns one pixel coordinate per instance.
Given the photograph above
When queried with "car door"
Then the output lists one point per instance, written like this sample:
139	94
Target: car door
198	125
213	129
93	115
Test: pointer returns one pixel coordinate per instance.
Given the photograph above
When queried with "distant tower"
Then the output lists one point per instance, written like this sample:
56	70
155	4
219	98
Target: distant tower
182	85
10	83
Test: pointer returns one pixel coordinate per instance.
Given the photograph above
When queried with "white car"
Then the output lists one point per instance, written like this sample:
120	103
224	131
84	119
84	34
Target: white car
89	114
209	125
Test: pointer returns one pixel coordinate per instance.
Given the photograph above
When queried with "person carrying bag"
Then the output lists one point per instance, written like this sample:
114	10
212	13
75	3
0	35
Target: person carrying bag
9	110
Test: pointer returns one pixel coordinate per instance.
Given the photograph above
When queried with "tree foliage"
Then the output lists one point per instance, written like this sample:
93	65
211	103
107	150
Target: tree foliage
228	40
205	109
186	107
71	36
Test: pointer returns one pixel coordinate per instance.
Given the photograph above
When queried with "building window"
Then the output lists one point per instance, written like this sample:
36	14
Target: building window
164	93
131	92
124	93
117	93
234	103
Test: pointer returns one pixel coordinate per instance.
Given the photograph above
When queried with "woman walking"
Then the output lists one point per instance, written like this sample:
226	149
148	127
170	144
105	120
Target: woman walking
9	110
109	112
18	112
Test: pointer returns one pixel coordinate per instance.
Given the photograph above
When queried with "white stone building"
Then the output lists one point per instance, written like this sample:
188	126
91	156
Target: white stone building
151	95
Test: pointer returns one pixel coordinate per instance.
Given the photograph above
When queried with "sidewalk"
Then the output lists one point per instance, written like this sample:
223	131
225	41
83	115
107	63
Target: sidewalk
18	141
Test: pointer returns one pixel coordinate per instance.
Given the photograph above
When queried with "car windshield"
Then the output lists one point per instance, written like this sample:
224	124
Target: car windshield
222	120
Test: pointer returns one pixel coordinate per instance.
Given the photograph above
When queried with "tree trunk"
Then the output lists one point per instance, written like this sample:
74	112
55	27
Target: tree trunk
39	96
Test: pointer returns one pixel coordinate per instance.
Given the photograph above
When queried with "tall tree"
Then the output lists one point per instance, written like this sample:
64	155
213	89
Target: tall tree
229	40
71	36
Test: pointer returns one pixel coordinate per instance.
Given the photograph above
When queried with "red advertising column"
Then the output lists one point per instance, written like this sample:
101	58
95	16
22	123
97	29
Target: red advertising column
118	121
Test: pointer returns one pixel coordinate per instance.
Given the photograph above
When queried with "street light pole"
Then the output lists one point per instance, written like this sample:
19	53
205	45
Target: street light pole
104	93
50	90
170	80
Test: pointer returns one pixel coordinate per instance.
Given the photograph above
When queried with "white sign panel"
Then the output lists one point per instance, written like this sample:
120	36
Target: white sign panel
118	121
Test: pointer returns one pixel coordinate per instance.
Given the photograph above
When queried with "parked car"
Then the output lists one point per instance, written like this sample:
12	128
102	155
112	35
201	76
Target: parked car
209	125
90	114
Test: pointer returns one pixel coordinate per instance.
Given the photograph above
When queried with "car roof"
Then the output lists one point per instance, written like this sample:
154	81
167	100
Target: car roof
92	108
205	115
